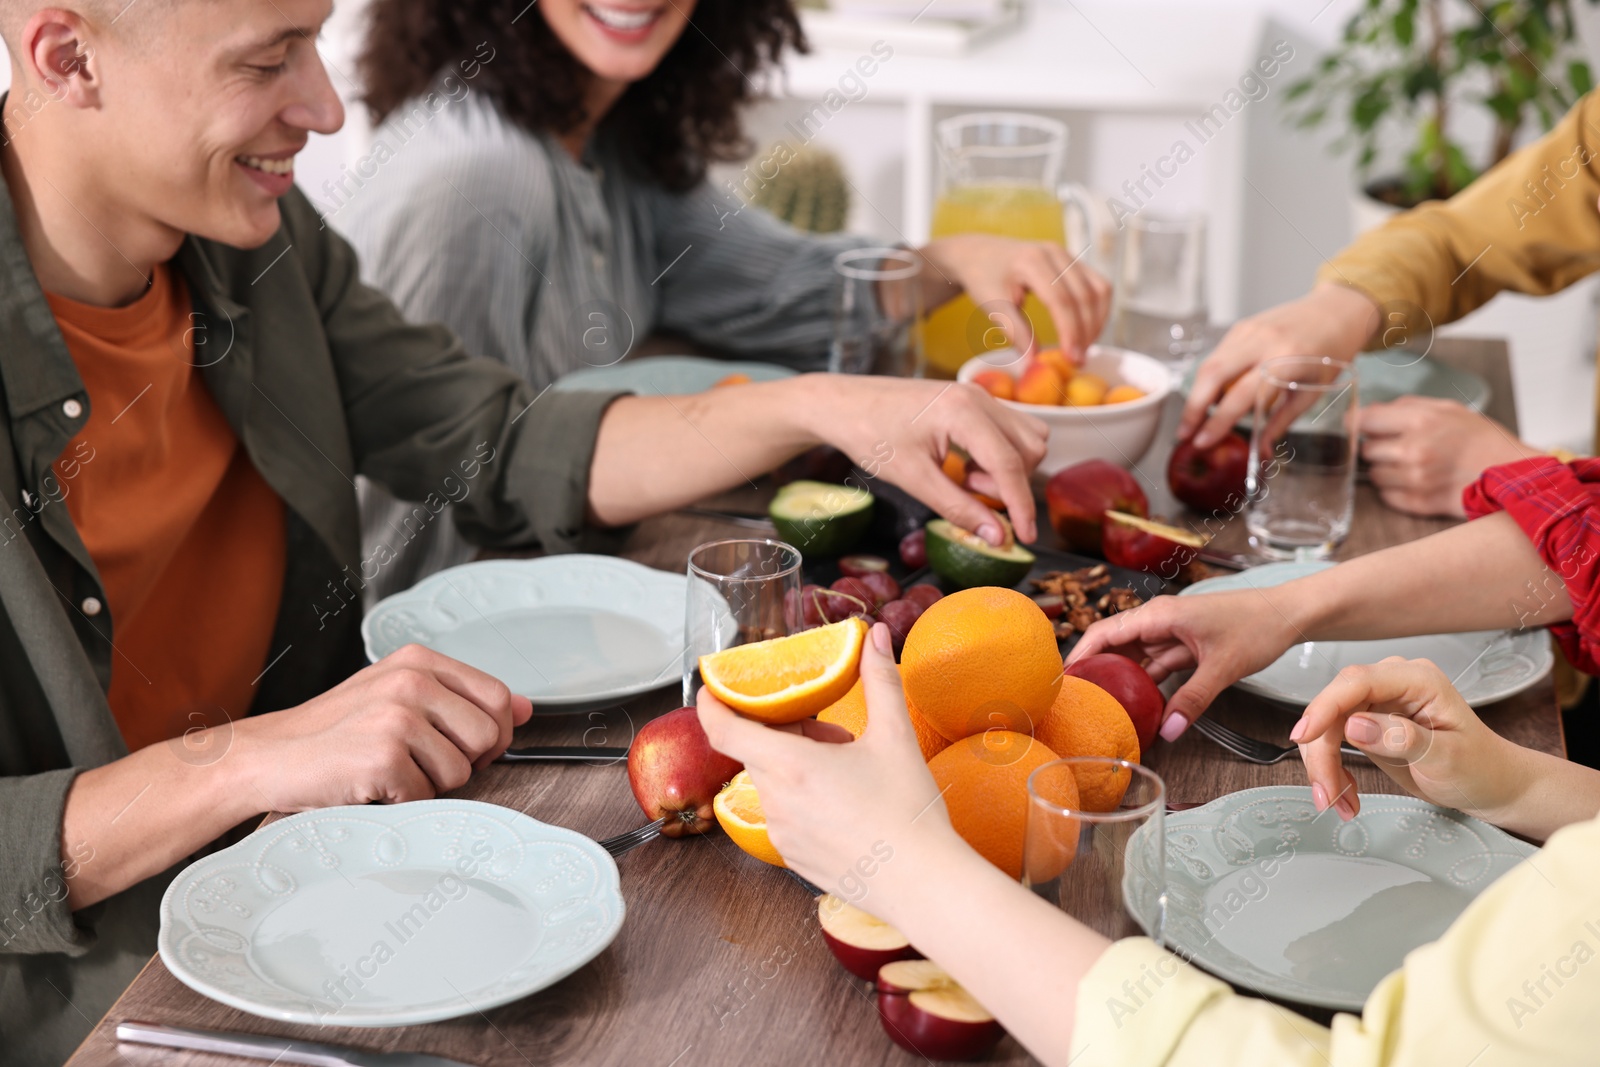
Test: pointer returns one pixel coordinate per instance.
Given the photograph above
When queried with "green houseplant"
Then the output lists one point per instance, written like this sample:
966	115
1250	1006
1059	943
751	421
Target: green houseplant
1417	64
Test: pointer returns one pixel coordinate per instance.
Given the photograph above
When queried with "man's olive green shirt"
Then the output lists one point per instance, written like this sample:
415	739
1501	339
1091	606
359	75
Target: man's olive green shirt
322	380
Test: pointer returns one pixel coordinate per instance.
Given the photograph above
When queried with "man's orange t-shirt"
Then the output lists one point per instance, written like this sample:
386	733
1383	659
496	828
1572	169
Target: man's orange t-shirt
187	536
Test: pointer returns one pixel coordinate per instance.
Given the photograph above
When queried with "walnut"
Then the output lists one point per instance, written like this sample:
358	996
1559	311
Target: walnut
1195	571
1119	598
1064	629
1081	617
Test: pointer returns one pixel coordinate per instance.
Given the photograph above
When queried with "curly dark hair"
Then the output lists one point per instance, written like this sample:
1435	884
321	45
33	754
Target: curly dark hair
681	117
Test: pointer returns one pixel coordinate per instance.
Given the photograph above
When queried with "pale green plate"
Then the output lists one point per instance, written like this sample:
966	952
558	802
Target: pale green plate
1270	895
390	914
666	375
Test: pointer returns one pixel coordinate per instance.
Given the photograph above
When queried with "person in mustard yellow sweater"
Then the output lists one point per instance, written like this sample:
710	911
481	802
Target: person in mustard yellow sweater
1528	225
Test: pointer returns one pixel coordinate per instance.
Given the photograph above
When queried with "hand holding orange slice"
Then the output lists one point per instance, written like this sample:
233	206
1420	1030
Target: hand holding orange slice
789	678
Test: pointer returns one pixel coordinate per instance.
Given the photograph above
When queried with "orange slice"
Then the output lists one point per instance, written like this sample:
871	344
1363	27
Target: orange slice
789	678
738	811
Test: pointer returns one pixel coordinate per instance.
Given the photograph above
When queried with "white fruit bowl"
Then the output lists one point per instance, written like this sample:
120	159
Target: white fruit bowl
1119	433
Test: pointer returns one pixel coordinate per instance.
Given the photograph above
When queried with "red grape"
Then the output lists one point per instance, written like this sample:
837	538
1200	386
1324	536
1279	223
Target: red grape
861	566
858	588
811	608
836	605
884	587
1052	604
900	616
922	595
914	549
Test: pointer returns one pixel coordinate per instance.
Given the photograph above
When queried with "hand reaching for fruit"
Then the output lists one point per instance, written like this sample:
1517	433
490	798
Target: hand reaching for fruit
827	806
1223	636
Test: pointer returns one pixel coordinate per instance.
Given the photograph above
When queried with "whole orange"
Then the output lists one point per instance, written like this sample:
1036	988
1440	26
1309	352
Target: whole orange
850	711
981	659
1085	720
984	780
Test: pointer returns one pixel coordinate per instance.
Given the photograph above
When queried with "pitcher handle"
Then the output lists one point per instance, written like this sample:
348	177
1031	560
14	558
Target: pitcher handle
1077	198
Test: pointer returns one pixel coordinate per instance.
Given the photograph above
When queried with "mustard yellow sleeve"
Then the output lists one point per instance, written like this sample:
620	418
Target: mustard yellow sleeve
1514	982
1529	225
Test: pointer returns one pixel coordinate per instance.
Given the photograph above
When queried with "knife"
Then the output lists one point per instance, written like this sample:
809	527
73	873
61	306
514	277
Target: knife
561	753
273	1049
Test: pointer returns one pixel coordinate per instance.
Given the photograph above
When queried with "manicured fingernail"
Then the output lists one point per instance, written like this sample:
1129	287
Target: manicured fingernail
1361	730
1347	809
880	638
1298	732
1202	439
990	533
1174	727
1319	796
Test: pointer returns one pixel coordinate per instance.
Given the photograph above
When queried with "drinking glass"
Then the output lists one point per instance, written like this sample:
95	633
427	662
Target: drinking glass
877	313
1161	287
1101	867
739	591
1301	486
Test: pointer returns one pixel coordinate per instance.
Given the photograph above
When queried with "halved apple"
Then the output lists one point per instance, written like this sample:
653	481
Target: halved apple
925	1010
861	942
1146	545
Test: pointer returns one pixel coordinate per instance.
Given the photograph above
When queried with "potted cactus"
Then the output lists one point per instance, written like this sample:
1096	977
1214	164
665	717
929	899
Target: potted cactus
1417	65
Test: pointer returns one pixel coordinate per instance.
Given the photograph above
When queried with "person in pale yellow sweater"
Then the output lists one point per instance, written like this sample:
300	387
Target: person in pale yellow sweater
1514	981
1528	225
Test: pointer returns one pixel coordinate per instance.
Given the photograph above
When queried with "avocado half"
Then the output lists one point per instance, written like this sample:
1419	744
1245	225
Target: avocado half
819	518
965	560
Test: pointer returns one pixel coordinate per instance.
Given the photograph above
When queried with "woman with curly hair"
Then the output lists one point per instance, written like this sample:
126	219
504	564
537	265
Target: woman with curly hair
538	184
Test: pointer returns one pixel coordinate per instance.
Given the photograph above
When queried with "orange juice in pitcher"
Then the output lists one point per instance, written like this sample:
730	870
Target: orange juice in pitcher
998	175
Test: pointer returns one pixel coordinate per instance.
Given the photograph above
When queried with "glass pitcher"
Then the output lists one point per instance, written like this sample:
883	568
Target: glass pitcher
999	173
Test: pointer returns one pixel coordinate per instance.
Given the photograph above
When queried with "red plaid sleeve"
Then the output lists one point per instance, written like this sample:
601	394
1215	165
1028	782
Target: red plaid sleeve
1558	506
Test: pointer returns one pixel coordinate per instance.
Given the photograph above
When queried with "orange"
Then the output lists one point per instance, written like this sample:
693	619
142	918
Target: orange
984	781
1052	842
1088	721
1121	394
850	711
981	659
1057	359
732	379
1086	391
738	811
789	678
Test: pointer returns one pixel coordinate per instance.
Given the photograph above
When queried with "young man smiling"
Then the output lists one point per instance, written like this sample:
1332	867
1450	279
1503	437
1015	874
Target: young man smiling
192	377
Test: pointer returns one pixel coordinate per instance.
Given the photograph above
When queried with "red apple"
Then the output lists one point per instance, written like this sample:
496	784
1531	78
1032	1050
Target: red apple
1143	545
1210	479
1130	686
1079	496
675	773
927	1012
862	942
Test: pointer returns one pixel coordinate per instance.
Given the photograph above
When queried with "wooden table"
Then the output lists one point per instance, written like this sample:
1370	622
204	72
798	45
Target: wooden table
719	961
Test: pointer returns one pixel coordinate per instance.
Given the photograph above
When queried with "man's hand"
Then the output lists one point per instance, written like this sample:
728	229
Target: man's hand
411	726
1331	320
1223	636
900	430
1424	451
999	272
1407	716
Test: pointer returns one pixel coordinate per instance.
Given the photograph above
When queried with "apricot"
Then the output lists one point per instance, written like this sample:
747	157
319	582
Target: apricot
997	383
1042	384
1086	391
1121	394
1057	359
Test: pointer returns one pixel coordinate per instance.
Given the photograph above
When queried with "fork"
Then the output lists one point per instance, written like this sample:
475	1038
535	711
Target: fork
1251	750
627	842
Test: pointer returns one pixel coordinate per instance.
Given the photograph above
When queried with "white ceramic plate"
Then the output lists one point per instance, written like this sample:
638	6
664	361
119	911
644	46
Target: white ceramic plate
1485	666
569	632
667	375
1268	894
389	915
